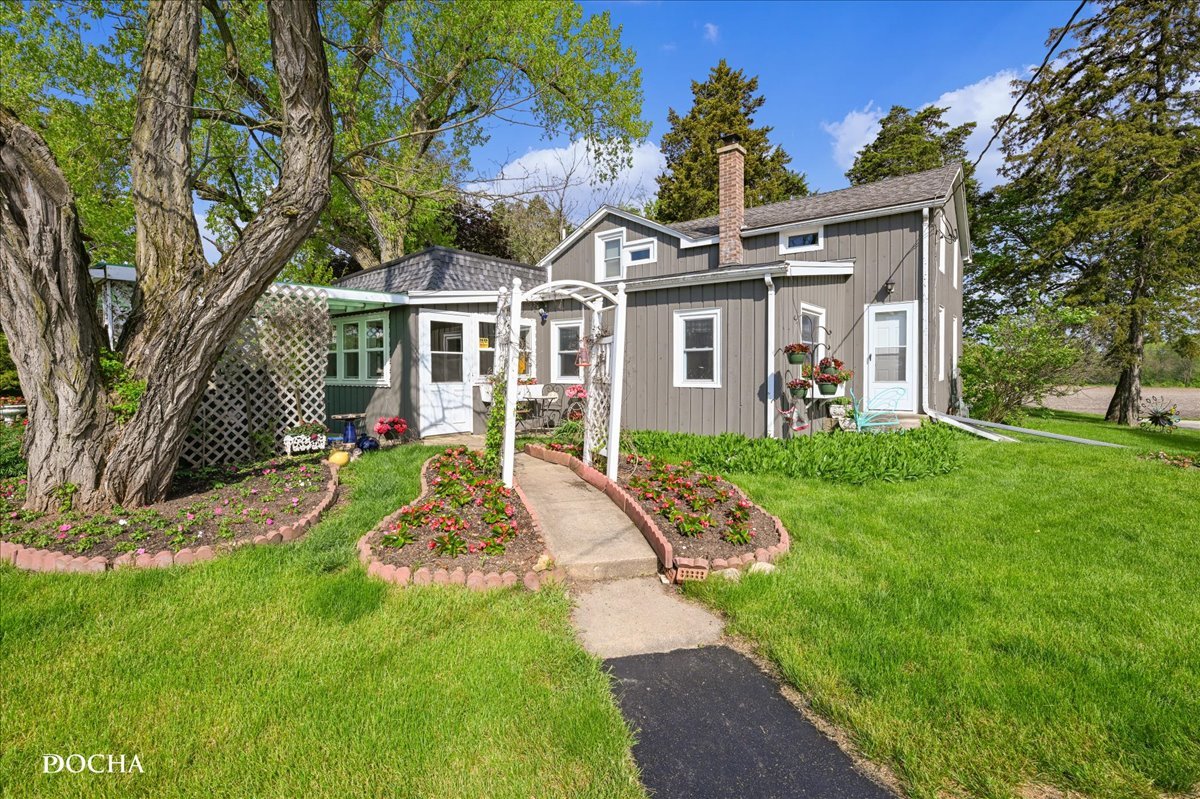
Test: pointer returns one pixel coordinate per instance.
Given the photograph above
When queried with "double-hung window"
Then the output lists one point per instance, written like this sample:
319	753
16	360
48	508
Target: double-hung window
812	329
358	351
697	348
487	349
615	255
564	341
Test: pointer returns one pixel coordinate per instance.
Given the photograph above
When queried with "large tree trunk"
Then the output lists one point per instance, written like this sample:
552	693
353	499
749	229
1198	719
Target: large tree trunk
47	310
185	310
1126	401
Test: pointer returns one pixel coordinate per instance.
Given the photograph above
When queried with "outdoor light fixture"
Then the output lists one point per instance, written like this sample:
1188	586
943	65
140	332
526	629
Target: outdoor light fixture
542	312
889	287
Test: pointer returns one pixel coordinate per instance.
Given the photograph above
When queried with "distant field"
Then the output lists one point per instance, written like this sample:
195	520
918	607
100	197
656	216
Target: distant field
1094	399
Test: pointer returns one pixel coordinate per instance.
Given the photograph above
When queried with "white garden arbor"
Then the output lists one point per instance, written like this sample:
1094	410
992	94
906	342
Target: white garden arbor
605	371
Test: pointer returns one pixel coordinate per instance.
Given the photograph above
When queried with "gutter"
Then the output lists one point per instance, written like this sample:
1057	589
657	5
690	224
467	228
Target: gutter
770	385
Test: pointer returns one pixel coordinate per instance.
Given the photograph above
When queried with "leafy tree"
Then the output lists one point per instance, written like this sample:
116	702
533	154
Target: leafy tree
1107	163
479	229
910	142
1023	358
725	103
533	228
414	88
185	311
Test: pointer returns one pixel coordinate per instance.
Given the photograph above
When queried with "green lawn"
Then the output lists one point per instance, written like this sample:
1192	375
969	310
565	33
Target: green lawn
1031	618
284	672
1085	425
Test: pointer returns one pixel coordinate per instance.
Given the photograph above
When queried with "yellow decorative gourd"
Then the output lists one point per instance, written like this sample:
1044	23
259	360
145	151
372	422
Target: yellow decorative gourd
340	458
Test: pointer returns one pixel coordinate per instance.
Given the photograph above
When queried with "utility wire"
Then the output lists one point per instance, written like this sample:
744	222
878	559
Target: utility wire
1029	85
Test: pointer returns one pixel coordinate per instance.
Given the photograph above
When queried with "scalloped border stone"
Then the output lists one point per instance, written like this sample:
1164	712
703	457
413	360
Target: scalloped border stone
476	580
677	569
45	560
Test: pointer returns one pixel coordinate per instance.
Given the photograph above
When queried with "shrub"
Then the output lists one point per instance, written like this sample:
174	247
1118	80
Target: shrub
1022	359
849	458
9	384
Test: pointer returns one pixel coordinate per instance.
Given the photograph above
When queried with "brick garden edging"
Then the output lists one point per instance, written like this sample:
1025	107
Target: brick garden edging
475	580
47	560
677	569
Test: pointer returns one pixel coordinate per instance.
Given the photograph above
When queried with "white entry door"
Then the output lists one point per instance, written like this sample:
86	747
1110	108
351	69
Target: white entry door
892	356
448	355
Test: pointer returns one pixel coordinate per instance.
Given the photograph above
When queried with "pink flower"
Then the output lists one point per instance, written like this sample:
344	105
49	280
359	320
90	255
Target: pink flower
191	516
61	536
218	511
141	551
62	528
254	491
270	521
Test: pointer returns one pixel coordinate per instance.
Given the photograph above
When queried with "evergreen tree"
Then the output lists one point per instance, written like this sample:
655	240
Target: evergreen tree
909	143
1108	163
725	103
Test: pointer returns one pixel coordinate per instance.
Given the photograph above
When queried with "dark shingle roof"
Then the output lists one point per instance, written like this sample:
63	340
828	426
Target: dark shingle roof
443	269
933	184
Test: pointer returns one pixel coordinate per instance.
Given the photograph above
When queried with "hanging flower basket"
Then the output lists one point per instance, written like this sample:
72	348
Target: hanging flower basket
827	384
799	388
796	353
831	366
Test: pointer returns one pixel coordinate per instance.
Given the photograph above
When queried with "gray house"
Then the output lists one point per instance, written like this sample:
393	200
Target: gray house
871	275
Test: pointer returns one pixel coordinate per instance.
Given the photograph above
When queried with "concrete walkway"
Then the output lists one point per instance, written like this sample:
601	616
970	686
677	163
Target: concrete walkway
585	532
708	721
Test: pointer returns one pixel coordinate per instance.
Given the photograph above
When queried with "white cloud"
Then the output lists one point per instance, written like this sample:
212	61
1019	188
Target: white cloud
570	172
711	32
856	130
981	102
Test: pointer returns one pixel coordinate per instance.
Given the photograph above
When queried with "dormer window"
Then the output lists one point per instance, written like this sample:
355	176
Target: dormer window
801	240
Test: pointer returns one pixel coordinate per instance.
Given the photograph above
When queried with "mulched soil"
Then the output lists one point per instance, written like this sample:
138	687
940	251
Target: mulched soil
521	549
708	544
214	506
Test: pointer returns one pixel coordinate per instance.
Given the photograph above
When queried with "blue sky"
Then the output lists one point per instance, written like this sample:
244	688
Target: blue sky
827	70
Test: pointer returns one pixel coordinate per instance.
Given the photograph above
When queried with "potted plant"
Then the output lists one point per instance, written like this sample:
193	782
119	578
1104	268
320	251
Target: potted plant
392	428
799	388
827	384
796	352
305	437
830	366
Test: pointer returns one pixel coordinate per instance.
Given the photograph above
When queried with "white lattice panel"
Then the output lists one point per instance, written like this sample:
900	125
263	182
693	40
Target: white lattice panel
271	377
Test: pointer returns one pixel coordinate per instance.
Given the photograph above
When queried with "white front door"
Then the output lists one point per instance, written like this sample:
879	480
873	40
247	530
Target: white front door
892	356
448	355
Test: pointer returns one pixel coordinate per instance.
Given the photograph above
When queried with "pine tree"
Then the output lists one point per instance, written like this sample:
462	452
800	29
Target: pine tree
909	143
1108	158
725	103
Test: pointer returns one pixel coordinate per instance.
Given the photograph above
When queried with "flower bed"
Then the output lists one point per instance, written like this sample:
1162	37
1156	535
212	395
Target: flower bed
465	523
765	546
702	515
208	509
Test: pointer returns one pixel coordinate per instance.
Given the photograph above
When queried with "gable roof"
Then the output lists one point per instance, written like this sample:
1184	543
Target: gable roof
928	187
443	269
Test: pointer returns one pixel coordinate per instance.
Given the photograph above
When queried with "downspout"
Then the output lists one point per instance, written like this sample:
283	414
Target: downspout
770	386
925	348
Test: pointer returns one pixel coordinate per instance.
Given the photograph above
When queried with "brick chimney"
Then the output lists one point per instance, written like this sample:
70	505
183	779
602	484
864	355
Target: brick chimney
731	189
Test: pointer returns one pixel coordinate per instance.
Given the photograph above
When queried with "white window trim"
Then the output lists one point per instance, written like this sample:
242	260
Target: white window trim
942	334
784	249
954	346
530	367
362	320
957	256
819	312
629	246
677	348
555	376
605	236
